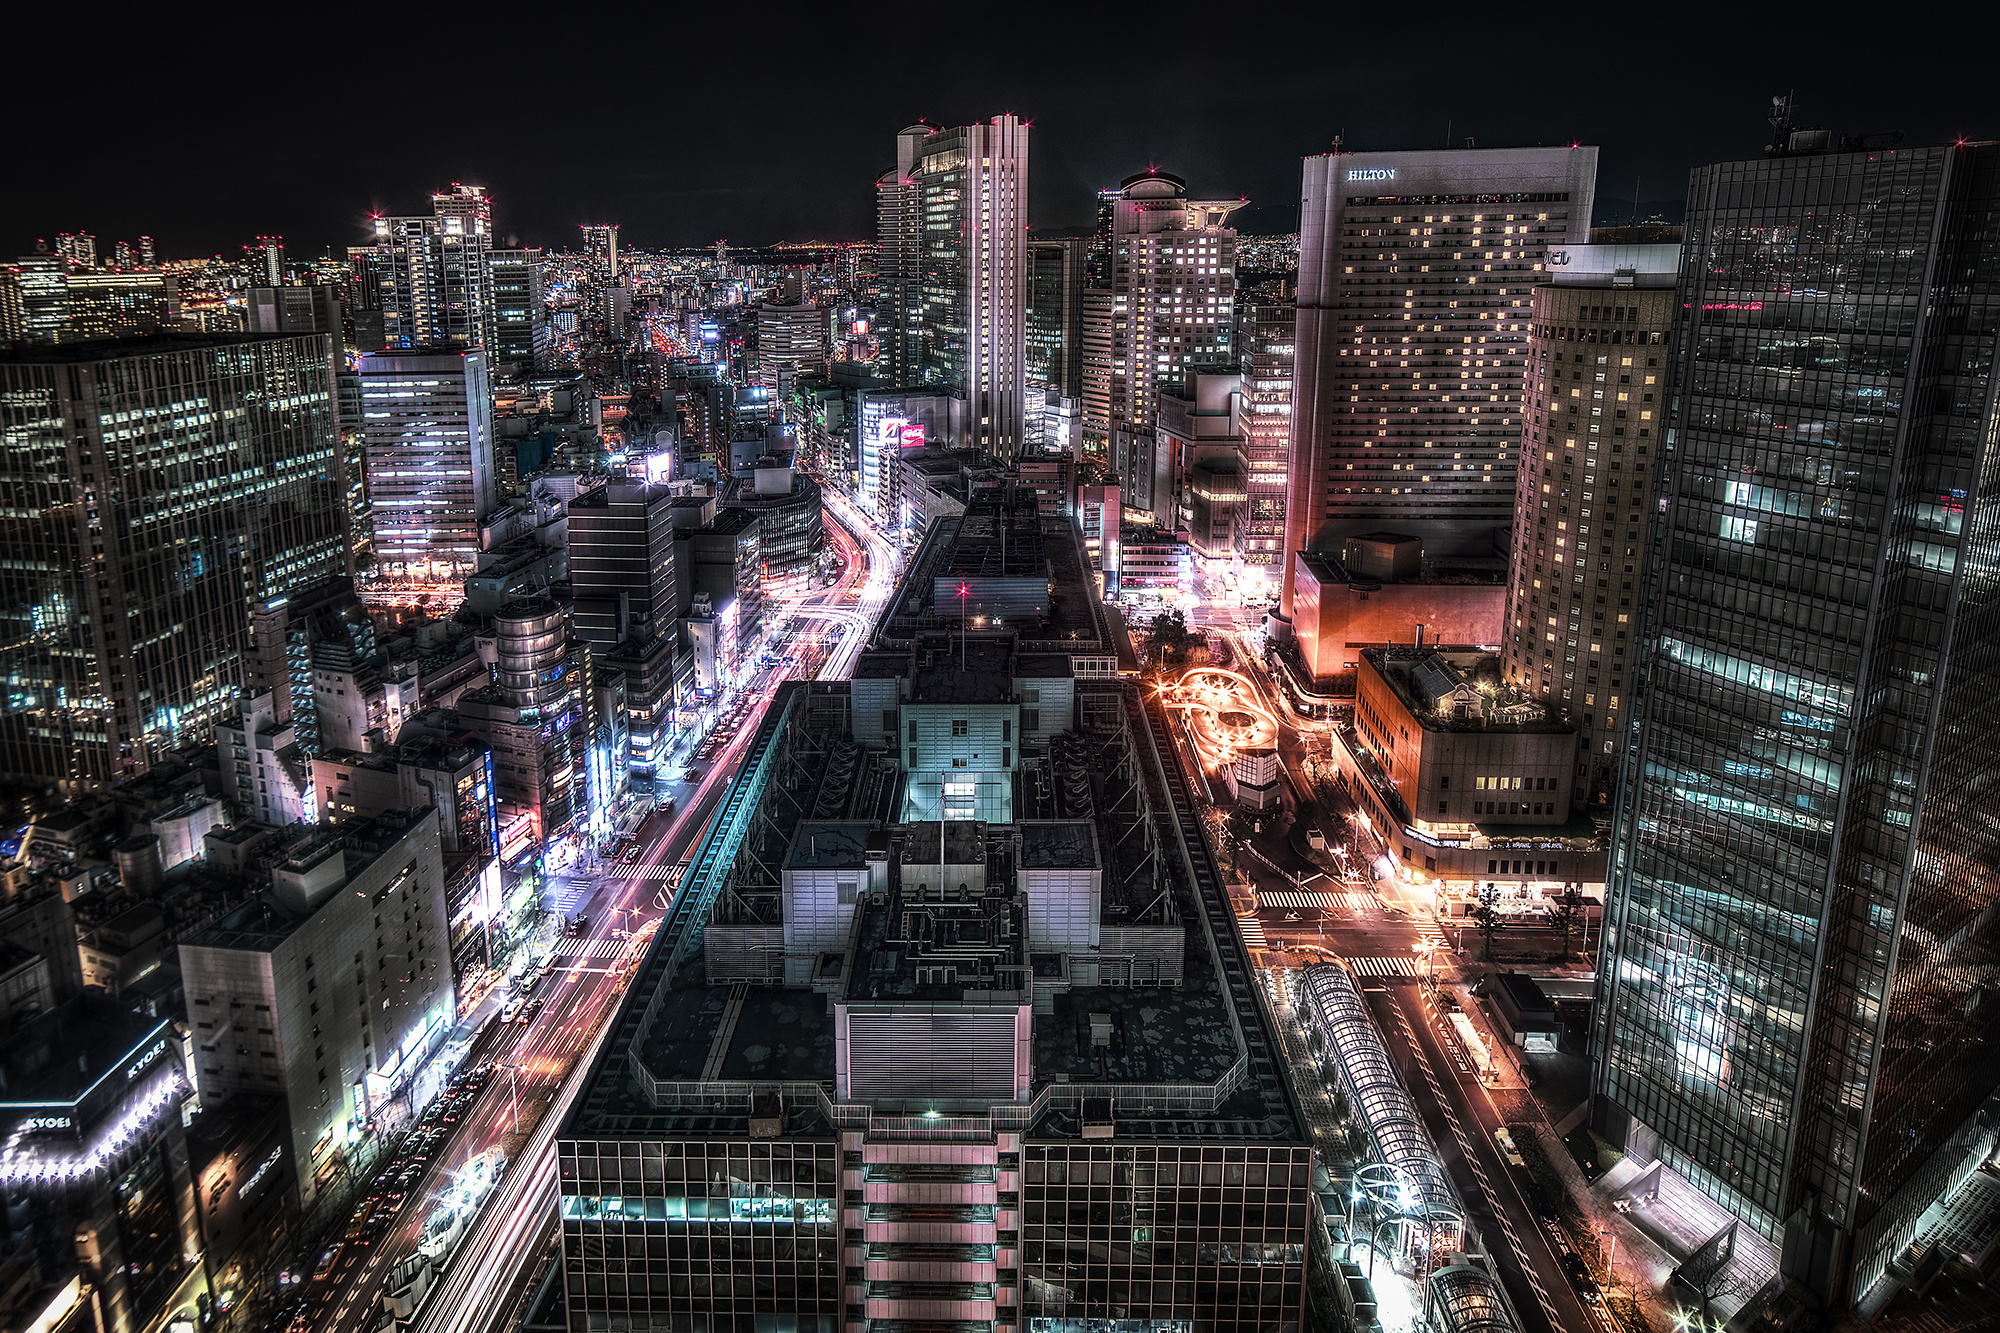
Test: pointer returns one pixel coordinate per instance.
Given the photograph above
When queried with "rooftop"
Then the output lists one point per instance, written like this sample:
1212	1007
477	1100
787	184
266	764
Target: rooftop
687	1031
1059	845
60	1056
1427	683
831	845
119	349
962	669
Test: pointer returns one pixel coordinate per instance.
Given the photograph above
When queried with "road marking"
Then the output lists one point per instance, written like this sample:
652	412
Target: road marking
1383	967
601	947
1478	1171
1304	902
1253	932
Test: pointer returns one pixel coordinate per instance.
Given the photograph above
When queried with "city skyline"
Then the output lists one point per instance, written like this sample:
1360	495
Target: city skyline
749	177
1394	736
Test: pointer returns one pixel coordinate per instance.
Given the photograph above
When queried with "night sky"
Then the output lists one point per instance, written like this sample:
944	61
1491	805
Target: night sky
206	131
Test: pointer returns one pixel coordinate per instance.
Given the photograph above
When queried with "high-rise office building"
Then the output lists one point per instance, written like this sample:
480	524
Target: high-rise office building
1264	339
428	275
34	300
428	445
296	310
1597	355
1414	277
1799	1018
621	561
198	477
520	315
1055	315
600	244
1171	274
953	219
789	339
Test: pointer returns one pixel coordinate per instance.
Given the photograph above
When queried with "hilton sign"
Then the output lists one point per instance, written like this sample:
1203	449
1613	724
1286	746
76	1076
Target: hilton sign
1370	174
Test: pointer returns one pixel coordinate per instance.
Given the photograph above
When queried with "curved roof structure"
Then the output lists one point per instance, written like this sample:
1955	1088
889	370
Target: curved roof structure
1370	1080
1466	1300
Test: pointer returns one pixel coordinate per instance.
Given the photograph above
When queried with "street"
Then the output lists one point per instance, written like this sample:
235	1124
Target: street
539	1064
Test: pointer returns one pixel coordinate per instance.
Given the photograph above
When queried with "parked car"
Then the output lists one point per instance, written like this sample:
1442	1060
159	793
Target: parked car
1505	1140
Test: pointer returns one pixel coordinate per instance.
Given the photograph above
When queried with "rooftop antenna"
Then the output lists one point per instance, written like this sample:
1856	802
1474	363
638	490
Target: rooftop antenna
1635	199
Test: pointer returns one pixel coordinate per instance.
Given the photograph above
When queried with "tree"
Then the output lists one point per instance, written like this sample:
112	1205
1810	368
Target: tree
1569	908
1485	915
1168	638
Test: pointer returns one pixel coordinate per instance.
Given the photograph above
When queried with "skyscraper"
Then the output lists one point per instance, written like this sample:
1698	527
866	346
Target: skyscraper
953	224
1055	315
428	275
520	317
600	243
1803	917
427	439
1596	382
154	492
1171	272
1414	274
1265	334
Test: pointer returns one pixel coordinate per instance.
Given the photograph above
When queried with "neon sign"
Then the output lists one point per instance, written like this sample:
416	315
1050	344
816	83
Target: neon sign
139	1066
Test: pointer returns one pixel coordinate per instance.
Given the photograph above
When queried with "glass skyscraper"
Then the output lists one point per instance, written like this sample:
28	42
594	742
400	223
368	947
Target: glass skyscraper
152	492
1802	932
952	226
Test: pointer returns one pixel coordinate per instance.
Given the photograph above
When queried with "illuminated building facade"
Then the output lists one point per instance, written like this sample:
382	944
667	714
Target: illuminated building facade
200	475
96	1172
1413	308
1597	356
280	1006
520	315
429	275
427	439
536	718
1170	270
1264	340
1806	866
621	567
953	222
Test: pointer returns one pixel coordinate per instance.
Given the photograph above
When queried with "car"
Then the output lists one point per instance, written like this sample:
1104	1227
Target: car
692	775
1505	1140
534	1007
548	966
326	1263
1580	1280
512	1011
665	807
632	854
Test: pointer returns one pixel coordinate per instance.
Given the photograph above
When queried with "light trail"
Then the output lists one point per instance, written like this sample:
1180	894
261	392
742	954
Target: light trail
1223	712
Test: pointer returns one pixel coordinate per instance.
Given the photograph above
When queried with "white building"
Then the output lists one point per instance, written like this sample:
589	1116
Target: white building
331	988
427	439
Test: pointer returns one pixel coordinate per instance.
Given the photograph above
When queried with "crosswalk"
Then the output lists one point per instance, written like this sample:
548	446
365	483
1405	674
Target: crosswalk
603	947
1352	904
1253	932
1383	967
667	872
